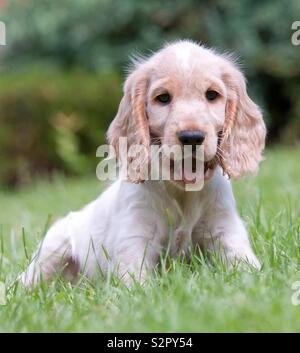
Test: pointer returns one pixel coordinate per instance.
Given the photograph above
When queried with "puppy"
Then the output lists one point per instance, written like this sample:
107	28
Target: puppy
183	94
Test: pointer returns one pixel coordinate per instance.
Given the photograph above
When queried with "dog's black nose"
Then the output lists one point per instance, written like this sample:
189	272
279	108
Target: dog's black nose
191	137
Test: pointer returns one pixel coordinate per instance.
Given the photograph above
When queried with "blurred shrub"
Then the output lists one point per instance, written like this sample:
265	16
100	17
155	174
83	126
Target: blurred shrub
52	121
98	35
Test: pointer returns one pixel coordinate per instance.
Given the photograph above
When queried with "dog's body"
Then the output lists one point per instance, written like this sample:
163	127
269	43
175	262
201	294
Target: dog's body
127	227
124	230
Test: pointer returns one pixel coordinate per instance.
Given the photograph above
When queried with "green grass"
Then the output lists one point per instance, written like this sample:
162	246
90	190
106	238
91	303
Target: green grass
181	297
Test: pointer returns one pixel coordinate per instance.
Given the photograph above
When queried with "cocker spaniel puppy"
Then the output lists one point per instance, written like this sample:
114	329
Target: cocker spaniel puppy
184	94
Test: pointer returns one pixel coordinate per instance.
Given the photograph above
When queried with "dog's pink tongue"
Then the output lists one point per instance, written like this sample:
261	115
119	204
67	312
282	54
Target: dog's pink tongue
187	180
188	176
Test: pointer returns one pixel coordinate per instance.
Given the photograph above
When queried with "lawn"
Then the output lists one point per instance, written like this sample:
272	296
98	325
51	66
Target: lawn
180	297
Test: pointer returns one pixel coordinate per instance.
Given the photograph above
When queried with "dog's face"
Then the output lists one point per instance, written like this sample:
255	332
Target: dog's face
186	94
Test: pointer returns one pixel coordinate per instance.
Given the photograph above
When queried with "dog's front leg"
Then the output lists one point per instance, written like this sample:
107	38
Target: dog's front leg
138	246
220	229
135	258
227	239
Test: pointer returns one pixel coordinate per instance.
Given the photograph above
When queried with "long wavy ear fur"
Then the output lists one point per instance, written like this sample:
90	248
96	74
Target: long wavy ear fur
131	122
243	137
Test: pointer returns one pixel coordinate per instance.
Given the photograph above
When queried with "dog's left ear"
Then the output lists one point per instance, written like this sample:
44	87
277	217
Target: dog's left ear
243	137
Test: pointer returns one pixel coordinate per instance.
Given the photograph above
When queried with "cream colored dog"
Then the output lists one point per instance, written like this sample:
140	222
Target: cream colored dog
184	94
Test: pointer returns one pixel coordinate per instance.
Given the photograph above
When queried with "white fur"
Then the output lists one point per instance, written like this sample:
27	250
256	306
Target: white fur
125	229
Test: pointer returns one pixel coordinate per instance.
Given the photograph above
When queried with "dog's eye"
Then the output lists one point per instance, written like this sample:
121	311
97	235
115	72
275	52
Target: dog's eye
164	98
211	95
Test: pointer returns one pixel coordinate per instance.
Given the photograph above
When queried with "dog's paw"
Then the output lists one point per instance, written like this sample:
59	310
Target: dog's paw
180	244
244	263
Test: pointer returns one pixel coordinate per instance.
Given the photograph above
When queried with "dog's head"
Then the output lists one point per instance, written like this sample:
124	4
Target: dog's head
187	94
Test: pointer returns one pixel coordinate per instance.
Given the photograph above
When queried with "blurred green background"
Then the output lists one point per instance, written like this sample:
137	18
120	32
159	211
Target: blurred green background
62	69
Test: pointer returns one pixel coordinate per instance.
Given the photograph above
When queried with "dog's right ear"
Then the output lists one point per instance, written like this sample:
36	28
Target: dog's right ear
131	119
119	126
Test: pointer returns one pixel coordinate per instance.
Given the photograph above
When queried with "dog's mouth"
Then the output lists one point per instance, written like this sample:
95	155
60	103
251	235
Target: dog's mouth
189	174
194	172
